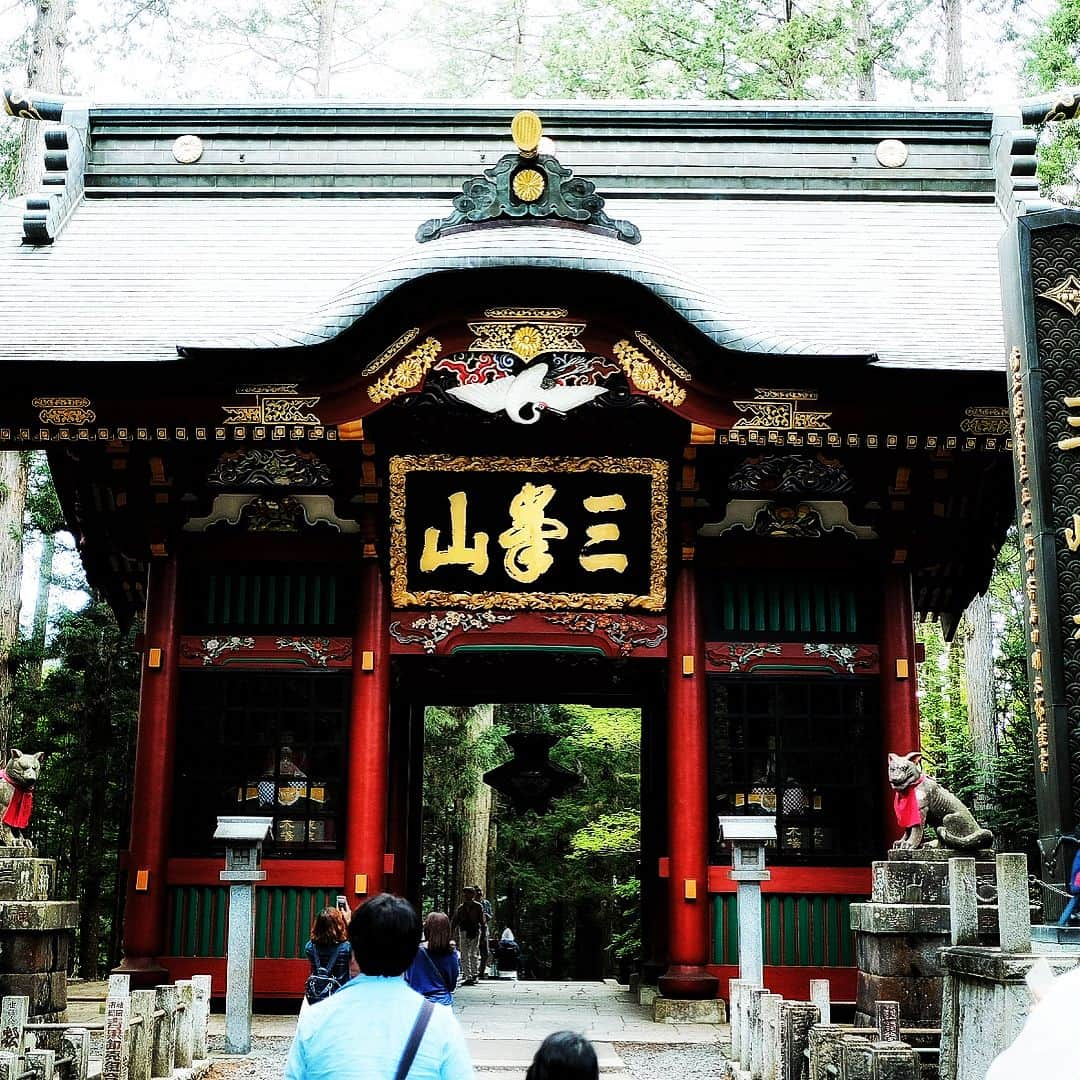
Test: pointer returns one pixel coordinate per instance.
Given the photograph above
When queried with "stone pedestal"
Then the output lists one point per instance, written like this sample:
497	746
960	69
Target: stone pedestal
35	933
899	931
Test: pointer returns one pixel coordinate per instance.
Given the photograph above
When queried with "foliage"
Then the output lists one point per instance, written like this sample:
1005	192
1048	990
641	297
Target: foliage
559	874
9	157
83	717
1054	62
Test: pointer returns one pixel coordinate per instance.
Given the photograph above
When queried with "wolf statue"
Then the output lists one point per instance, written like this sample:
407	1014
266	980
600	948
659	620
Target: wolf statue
17	782
919	800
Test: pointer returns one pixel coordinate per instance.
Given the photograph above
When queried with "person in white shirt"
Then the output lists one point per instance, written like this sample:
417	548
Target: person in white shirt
368	1027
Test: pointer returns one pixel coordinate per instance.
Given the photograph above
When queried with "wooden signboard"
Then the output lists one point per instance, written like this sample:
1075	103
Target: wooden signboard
540	533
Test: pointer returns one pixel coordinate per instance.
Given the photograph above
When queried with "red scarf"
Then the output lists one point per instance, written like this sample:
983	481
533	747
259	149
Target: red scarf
906	806
17	814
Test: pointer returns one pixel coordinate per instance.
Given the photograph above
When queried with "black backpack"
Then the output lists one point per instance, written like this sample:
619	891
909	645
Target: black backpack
321	984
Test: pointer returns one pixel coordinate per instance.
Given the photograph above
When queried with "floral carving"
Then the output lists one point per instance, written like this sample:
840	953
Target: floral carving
843	656
211	649
736	654
429	631
644	375
408	374
624	631
320	650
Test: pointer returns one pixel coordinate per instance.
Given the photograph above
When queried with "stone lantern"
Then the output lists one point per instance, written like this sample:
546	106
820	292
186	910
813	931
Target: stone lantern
244	838
748	836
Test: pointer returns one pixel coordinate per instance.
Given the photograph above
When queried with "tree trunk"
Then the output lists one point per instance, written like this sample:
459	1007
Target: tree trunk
36	659
865	74
979	682
48	41
954	50
12	509
327	13
475	809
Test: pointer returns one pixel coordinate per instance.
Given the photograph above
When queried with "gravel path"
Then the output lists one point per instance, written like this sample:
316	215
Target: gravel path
645	1061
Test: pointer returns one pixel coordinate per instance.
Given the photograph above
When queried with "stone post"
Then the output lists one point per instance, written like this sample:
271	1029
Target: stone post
896	1061
185	1023
14	1012
735	990
820	995
770	1035
825	1050
746	1024
116	1040
1014	904
963	902
856	1058
142	1034
163	1053
41	1064
76	1043
757	1041
796	1020
201	1012
887	1020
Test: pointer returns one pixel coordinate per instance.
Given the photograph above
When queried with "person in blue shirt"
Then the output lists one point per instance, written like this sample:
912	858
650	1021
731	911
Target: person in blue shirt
435	968
362	1031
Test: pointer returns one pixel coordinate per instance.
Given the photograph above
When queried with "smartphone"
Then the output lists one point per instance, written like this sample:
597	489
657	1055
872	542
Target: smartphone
343	904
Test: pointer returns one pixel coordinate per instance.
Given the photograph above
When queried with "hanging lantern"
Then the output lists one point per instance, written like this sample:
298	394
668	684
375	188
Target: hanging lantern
530	779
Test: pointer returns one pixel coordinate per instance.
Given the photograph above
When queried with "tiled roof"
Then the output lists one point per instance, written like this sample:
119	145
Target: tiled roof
770	228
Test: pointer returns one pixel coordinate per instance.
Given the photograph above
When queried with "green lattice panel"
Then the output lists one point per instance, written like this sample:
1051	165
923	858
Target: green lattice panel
798	930
283	918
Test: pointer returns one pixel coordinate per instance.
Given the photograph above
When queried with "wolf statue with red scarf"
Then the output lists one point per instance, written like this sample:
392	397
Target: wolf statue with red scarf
17	782
919	800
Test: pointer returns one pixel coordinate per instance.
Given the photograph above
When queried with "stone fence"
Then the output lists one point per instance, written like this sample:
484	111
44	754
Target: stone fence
145	1034
986	999
774	1039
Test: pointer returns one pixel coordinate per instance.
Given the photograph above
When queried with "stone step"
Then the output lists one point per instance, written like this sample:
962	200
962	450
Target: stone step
508	1058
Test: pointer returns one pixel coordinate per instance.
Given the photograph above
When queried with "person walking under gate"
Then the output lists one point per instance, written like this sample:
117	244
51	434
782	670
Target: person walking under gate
376	1026
468	923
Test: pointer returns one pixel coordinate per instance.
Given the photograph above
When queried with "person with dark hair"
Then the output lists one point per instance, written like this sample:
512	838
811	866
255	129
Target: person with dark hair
485	931
435	968
329	955
376	1026
564	1055
468	921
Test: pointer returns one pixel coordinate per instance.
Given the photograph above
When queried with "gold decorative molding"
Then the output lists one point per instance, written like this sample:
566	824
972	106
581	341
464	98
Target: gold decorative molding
526	338
778	410
985	420
275	403
64	410
528	185
1065	294
527	313
663	356
402	596
408	374
643	374
390	351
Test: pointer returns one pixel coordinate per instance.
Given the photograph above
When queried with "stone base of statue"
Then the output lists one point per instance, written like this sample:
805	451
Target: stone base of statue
899	932
35	933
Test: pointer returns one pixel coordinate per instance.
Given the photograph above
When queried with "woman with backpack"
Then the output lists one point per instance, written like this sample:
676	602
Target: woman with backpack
329	954
435	968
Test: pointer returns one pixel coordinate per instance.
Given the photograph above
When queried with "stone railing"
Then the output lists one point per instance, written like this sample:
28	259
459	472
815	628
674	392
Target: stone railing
986	1000
775	1039
145	1034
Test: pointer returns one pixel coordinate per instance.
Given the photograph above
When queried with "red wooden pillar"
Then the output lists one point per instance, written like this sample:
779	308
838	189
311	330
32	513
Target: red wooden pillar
899	684
365	837
687	798
146	906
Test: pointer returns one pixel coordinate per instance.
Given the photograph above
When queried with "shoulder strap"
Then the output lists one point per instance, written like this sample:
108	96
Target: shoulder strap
438	970
415	1036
